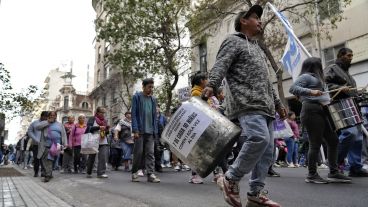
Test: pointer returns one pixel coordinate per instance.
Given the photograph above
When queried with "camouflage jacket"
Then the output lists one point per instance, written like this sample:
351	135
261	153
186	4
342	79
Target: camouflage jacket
248	89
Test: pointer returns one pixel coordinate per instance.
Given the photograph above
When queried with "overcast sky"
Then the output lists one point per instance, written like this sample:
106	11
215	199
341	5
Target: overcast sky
40	35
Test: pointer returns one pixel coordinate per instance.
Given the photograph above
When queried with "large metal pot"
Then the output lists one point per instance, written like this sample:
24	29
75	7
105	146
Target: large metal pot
200	136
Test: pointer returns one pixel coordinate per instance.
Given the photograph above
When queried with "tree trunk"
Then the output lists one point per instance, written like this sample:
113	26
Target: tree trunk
169	100
278	72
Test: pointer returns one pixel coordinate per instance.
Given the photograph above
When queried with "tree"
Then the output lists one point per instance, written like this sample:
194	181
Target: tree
273	36
147	38
161	96
14	103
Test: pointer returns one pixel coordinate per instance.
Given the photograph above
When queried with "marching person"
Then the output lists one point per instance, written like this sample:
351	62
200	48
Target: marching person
67	160
144	128
123	131
98	124
250	98
199	82
350	139
75	144
309	88
52	132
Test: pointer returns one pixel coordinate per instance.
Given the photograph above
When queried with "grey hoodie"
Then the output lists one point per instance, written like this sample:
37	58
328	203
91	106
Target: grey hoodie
248	90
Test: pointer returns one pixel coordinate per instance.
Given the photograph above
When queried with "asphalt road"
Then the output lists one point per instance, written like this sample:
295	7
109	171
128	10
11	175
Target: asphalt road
174	191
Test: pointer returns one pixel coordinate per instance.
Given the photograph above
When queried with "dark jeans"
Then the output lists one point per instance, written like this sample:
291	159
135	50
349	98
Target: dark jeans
314	119
116	157
102	160
37	162
79	159
158	153
144	150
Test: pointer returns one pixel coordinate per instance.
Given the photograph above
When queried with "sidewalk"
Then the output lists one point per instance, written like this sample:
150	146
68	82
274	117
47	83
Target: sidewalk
23	191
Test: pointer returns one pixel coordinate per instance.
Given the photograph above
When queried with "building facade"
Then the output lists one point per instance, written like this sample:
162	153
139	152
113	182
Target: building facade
109	89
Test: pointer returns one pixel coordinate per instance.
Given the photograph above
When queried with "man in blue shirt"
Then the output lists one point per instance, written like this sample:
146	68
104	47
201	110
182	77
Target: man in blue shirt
144	128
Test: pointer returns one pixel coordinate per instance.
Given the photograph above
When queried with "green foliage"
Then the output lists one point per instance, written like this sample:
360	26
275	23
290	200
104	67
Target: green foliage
14	103
162	96
146	37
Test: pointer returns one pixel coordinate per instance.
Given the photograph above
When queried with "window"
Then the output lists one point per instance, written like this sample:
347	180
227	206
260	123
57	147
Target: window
99	54
203	57
107	71
113	97
98	76
104	100
66	102
328	8
84	105
330	54
108	47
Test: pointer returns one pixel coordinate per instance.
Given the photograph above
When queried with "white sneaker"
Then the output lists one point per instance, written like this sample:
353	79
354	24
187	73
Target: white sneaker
30	165
163	166
186	167
365	166
291	165
140	173
168	165
323	166
102	176
177	167
26	168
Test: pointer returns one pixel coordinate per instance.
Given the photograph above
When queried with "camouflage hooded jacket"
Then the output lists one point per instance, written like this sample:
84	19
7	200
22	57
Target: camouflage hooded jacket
248	89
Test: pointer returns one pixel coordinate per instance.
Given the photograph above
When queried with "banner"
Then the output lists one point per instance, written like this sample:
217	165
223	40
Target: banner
185	127
295	53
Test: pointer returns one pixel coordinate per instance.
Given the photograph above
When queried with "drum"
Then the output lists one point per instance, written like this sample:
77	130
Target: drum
199	135
344	114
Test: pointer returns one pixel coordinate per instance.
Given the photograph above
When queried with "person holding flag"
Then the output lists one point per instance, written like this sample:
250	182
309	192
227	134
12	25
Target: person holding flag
250	99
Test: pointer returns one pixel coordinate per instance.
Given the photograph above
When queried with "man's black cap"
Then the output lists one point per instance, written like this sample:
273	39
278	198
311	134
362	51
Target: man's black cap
245	14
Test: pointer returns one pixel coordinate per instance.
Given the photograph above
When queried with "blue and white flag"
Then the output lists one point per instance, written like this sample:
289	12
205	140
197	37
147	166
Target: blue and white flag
295	53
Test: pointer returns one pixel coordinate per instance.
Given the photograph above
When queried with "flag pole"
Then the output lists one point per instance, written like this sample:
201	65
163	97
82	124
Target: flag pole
288	28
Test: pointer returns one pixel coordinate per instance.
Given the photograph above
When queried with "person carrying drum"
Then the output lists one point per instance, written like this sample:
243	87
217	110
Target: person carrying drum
309	87
250	98
350	139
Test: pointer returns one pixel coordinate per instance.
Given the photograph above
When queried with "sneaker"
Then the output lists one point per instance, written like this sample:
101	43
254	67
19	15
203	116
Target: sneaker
291	165
338	178
30	165
163	166
195	179
153	179
358	173
296	165
89	176
46	179
25	168
168	165
177	167
276	165
103	176
140	173
323	166
260	199
186	167
315	179
230	190
216	177
135	177
273	173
